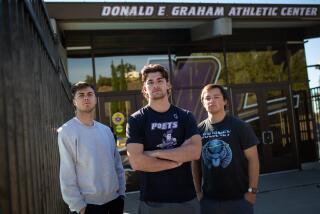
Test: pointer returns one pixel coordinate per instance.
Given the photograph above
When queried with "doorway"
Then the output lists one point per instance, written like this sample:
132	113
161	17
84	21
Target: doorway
268	110
114	110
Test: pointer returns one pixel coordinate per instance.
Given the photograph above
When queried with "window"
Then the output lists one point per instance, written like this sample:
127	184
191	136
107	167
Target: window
120	73
80	69
254	66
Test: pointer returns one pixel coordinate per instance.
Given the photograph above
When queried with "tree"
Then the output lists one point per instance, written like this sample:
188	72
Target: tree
89	79
119	83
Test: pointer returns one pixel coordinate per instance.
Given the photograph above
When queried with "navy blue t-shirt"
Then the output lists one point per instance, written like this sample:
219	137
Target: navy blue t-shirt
224	166
163	131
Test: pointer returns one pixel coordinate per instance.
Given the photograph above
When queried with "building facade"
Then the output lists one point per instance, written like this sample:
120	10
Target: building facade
255	50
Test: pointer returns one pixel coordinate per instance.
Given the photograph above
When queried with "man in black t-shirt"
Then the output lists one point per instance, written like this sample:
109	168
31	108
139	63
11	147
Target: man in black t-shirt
162	140
226	179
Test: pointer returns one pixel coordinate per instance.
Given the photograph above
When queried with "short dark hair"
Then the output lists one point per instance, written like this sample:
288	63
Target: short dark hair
212	86
80	85
152	68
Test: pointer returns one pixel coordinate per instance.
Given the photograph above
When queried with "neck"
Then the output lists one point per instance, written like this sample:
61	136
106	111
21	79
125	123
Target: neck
161	105
85	118
217	117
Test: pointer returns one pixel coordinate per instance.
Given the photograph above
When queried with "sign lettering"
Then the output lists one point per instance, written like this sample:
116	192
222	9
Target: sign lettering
171	11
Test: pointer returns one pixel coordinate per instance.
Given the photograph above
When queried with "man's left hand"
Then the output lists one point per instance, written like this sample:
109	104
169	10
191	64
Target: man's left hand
250	197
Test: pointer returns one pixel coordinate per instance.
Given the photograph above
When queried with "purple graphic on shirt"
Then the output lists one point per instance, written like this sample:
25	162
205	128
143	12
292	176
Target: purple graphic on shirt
168	142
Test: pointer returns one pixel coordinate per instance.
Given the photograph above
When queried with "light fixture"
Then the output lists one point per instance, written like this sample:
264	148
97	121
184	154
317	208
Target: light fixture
75	48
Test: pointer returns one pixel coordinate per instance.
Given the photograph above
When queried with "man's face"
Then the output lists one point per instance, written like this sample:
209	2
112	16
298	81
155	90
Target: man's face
85	100
156	86
213	101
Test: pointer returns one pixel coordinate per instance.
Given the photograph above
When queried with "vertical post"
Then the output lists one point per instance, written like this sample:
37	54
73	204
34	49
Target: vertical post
170	73
4	53
226	76
292	117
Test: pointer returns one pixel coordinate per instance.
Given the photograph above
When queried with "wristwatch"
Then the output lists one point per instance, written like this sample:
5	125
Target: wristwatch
253	190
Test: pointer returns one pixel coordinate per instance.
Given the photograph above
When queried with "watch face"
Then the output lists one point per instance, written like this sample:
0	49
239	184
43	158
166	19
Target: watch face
253	190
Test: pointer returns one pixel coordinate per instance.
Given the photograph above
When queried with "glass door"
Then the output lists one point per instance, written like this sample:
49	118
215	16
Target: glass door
114	110
268	110
277	135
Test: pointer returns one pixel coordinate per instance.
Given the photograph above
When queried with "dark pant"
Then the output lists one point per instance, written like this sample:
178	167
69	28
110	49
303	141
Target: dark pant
188	207
239	206
112	207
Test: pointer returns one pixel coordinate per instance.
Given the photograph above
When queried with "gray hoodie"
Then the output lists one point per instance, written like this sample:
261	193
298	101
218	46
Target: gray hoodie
91	171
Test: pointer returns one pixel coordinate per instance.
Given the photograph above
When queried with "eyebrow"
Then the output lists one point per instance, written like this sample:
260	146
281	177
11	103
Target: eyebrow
159	78
214	95
90	92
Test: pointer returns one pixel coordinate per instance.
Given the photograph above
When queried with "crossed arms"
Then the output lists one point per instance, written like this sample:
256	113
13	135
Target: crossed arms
159	160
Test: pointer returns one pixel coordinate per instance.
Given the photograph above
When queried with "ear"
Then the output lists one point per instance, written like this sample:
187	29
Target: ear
169	85
144	92
144	88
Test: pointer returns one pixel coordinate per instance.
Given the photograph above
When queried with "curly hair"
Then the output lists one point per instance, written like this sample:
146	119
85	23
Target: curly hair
153	68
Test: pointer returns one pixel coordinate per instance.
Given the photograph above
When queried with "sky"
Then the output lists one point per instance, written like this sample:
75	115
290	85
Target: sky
312	51
312	46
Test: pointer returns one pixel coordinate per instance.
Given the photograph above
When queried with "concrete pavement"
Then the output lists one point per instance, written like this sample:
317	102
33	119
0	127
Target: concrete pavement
289	192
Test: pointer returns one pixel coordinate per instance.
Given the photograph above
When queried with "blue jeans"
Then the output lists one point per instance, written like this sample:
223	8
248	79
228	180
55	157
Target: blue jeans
237	206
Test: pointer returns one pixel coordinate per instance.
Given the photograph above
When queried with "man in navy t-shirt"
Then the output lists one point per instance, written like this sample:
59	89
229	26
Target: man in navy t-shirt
162	140
227	180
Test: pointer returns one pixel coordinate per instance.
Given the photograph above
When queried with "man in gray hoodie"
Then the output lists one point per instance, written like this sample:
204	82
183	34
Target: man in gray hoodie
92	178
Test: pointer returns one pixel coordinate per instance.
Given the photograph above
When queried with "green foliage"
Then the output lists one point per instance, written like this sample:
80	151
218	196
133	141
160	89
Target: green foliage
258	67
119	83
118	75
299	72
89	79
103	81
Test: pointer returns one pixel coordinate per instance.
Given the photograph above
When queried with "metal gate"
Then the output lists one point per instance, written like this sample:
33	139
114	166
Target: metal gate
34	101
305	125
315	103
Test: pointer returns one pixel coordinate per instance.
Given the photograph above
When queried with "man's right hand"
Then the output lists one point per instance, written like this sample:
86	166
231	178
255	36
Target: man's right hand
83	210
155	153
199	195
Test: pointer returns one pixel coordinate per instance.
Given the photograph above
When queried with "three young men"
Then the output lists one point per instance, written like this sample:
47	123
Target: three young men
162	141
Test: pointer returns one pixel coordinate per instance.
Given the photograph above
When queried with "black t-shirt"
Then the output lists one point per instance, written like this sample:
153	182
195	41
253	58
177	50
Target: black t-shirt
163	131
224	166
